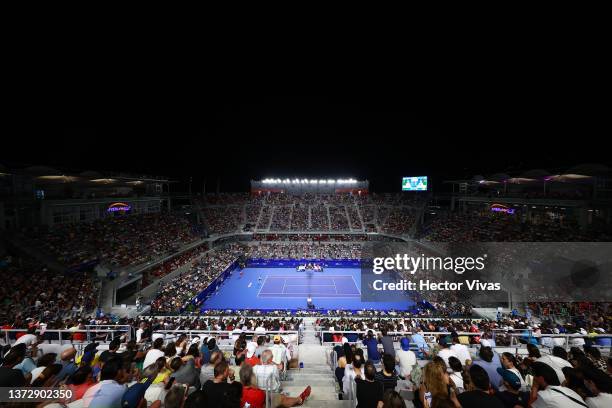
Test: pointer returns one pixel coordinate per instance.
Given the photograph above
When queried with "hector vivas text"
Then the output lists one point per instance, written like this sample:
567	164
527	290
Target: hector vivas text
410	264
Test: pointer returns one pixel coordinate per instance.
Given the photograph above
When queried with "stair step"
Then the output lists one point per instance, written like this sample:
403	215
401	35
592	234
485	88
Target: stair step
307	381
302	374
319	392
328	404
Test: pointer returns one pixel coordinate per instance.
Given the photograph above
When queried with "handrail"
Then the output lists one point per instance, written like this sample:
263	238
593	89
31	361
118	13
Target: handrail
334	360
268	390
298	316
227	334
394	333
88	331
525	335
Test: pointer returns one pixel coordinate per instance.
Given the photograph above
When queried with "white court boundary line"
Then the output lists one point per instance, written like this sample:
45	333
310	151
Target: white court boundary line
301	296
355	283
262	285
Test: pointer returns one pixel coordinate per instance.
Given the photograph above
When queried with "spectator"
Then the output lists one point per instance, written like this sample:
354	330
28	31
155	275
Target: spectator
267	376
392	399
480	396
217	389
406	358
574	380
369	391
455	376
556	363
387	376
196	399
185	372
250	393
208	371
279	353
154	353
113	346
547	391
600	386
489	360
80	382
435	388
372	346
508	362
387	343
351	373
445	351
512	395
10	377
461	350
251	358
109	391
175	397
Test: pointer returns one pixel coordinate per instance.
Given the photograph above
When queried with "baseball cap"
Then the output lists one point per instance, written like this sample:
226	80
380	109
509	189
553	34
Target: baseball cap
405	344
277	338
510	377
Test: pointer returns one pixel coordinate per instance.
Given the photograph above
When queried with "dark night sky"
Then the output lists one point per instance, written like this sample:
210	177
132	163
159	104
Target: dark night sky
246	138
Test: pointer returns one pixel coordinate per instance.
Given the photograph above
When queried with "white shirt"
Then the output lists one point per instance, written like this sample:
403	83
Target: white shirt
139	335
444	354
407	361
35	373
553	399
263	372
155	392
151	357
457	379
576	341
279	353
557	364
463	353
603	400
27	339
348	380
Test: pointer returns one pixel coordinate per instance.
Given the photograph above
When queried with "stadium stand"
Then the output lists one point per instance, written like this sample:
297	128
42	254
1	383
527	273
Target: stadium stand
441	352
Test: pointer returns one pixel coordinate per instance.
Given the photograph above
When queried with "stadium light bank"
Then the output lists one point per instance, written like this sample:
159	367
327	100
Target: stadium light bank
308	181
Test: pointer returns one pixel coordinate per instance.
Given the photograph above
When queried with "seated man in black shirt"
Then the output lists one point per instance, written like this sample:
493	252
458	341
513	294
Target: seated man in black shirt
369	391
480	397
10	377
113	346
218	390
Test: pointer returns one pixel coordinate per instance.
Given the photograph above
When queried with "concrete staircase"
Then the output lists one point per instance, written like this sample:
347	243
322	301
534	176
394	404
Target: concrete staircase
316	372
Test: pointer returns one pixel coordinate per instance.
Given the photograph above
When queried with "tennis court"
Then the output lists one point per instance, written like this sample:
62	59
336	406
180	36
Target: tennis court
314	286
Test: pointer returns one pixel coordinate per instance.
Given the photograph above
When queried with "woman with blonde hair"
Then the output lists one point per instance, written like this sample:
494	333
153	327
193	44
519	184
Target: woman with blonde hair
436	386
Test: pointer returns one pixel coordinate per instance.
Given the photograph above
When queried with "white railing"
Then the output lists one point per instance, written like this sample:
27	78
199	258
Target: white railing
269	391
92	333
514	337
426	335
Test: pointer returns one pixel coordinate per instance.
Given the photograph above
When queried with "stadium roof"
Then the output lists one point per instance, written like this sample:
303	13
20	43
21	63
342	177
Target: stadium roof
575	174
44	175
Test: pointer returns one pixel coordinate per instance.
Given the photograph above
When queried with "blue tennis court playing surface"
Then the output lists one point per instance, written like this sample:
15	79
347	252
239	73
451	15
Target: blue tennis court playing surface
315	286
285	288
